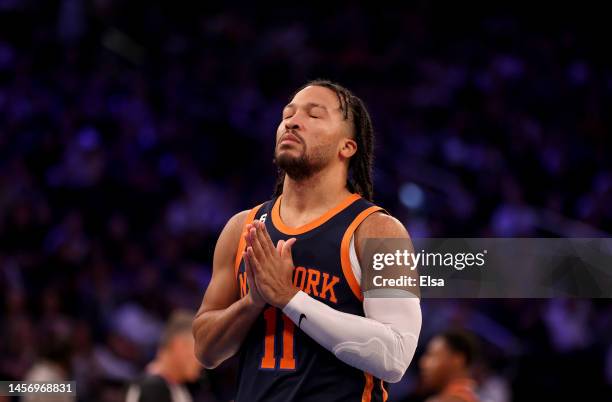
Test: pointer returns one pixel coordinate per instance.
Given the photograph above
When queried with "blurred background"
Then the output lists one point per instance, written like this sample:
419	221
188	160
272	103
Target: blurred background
131	131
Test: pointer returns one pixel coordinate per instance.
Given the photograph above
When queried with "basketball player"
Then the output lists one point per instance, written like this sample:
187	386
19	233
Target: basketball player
285	289
445	368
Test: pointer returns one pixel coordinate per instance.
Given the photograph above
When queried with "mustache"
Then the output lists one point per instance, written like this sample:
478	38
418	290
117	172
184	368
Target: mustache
292	132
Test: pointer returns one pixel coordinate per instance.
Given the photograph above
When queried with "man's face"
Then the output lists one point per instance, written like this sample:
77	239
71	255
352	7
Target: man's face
311	133
184	357
437	364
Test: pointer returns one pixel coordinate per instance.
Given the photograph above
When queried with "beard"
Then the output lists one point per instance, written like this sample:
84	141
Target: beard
299	167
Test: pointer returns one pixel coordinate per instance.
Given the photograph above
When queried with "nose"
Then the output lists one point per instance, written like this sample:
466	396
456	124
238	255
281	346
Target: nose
291	125
294	122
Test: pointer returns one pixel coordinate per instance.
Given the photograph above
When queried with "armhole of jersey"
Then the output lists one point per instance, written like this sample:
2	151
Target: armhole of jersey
366	396
345	257
242	242
355	266
368	389
385	395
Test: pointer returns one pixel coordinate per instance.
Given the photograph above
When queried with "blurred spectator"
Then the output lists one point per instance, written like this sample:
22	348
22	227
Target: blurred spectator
53	365
446	368
174	365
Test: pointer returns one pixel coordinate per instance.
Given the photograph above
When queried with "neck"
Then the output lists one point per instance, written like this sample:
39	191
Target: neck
323	189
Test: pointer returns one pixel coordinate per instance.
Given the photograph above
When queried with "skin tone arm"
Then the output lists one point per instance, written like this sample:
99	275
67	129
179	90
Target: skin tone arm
223	320
380	225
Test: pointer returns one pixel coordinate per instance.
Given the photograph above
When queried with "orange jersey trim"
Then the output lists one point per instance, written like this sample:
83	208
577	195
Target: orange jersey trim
344	250
367	389
278	222
385	395
242	242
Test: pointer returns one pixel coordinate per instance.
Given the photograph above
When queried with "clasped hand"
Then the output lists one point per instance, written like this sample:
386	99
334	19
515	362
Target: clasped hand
269	269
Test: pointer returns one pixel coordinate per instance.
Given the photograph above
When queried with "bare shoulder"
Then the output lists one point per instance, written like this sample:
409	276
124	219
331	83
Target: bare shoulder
228	240
223	289
380	224
236	222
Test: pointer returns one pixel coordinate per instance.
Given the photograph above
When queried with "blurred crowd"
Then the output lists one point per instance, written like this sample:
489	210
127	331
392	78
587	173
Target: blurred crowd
131	131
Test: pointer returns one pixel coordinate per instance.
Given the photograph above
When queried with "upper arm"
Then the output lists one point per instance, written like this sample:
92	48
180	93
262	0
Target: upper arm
380	225
223	288
400	312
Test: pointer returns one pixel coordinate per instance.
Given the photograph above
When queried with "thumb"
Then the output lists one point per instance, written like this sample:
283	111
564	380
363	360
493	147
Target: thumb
286	252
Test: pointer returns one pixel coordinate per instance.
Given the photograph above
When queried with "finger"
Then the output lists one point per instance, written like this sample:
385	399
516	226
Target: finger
253	261
269	241
279	246
253	237
257	245
247	234
247	262
247	266
247	237
249	271
287	253
266	244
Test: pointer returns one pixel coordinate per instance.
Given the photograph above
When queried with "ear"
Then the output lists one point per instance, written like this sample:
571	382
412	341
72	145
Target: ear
348	148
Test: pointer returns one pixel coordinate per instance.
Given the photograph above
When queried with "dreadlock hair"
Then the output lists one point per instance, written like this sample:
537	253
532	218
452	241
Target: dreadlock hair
360	164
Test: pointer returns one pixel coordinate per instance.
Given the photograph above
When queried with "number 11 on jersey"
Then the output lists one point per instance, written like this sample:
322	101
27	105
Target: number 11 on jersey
287	360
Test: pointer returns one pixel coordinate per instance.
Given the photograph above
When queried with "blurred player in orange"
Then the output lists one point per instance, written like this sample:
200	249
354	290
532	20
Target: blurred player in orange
445	368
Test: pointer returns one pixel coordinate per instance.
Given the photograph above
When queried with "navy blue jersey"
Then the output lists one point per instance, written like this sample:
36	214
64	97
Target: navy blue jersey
279	362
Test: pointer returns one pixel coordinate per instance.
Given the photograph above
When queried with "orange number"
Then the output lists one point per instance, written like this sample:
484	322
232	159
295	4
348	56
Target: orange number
287	361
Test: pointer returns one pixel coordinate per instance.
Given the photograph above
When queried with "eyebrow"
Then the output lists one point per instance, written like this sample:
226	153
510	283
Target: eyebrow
309	105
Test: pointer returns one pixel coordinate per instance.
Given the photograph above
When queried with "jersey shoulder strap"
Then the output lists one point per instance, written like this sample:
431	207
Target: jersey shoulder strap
361	209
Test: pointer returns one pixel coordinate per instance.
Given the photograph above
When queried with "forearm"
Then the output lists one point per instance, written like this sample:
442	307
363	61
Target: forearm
384	349
219	333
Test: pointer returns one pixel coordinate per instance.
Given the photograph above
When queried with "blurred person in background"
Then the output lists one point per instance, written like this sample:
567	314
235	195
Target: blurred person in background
54	365
173	367
446	368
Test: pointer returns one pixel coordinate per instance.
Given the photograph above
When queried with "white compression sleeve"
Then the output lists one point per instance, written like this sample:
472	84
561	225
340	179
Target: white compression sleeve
382	343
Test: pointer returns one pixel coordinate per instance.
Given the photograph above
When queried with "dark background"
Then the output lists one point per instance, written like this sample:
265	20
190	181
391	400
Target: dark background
131	131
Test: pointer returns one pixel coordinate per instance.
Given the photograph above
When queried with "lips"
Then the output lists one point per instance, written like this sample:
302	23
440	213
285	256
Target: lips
288	137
